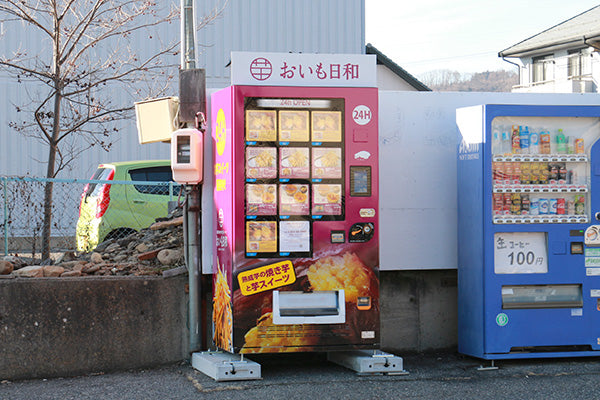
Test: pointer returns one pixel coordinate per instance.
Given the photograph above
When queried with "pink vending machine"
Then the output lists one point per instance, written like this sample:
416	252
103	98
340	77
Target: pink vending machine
296	201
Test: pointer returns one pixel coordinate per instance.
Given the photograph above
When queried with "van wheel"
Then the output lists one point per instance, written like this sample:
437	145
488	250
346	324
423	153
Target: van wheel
120	233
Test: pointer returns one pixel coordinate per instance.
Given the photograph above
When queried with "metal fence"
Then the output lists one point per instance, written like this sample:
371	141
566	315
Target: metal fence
84	212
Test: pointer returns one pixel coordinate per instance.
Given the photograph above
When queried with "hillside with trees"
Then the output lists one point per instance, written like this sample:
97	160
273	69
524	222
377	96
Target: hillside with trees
453	81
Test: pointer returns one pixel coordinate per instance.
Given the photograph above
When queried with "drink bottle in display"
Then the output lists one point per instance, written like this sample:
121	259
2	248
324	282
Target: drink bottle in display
579	149
534	206
552	206
561	142
560	206
516	140
545	147
543	206
579	205
534	142
571	207
524	139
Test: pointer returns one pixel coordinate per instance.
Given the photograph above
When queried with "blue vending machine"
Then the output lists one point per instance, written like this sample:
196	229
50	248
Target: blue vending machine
529	231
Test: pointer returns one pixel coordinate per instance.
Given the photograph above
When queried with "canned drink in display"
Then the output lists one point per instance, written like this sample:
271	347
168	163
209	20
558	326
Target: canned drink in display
560	206
516	177
525	173
553	178
507	204
562	174
498	200
508	172
543	206
498	172
534	206
535	173
525	204
543	177
515	208
552	206
571	207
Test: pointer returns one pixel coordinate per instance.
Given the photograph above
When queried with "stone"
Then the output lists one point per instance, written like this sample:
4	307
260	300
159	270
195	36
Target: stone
15	261
96	258
169	256
69	264
90	269
70	273
67	256
141	248
167	224
79	266
6	267
149	255
32	271
53	271
113	247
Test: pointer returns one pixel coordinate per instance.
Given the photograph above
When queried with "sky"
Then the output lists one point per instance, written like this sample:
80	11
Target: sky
460	35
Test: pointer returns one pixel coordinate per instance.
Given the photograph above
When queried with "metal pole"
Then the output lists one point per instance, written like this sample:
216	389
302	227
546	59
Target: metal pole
5	217
188	35
193	258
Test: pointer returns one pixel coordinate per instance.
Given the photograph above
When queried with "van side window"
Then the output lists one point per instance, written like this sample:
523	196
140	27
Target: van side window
153	174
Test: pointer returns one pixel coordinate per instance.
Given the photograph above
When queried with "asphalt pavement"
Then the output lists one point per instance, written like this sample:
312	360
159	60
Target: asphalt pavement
310	376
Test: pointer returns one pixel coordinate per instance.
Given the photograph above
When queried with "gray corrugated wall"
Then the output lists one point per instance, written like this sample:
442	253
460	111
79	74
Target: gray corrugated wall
312	26
322	26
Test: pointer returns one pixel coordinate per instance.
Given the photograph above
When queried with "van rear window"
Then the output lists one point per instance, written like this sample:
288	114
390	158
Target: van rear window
101	174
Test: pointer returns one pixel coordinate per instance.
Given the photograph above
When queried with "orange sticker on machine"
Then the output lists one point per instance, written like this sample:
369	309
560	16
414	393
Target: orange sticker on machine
266	278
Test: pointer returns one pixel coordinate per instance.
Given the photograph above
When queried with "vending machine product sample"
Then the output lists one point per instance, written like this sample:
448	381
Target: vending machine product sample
529	243
296	231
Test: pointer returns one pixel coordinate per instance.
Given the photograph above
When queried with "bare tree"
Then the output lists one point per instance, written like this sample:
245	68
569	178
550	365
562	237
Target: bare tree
89	57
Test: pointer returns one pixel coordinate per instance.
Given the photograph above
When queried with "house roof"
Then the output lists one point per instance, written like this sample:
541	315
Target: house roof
581	30
382	59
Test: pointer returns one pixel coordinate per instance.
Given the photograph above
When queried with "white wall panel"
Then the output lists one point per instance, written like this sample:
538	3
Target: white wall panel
418	140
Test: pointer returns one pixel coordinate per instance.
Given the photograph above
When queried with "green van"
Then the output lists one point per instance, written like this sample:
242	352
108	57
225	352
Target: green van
113	211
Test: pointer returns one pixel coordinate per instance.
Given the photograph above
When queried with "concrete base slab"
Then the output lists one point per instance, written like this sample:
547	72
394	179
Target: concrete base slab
223	366
368	362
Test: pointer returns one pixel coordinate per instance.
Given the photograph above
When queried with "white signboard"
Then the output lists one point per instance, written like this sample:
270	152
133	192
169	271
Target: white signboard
294	236
294	69
520	253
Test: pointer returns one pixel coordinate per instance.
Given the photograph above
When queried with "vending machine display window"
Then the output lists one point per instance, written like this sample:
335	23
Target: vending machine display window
294	171
540	169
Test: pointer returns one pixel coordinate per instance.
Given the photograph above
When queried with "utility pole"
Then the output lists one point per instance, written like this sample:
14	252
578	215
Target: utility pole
191	212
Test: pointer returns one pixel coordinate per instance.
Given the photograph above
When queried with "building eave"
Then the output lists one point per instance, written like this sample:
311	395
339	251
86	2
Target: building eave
382	59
